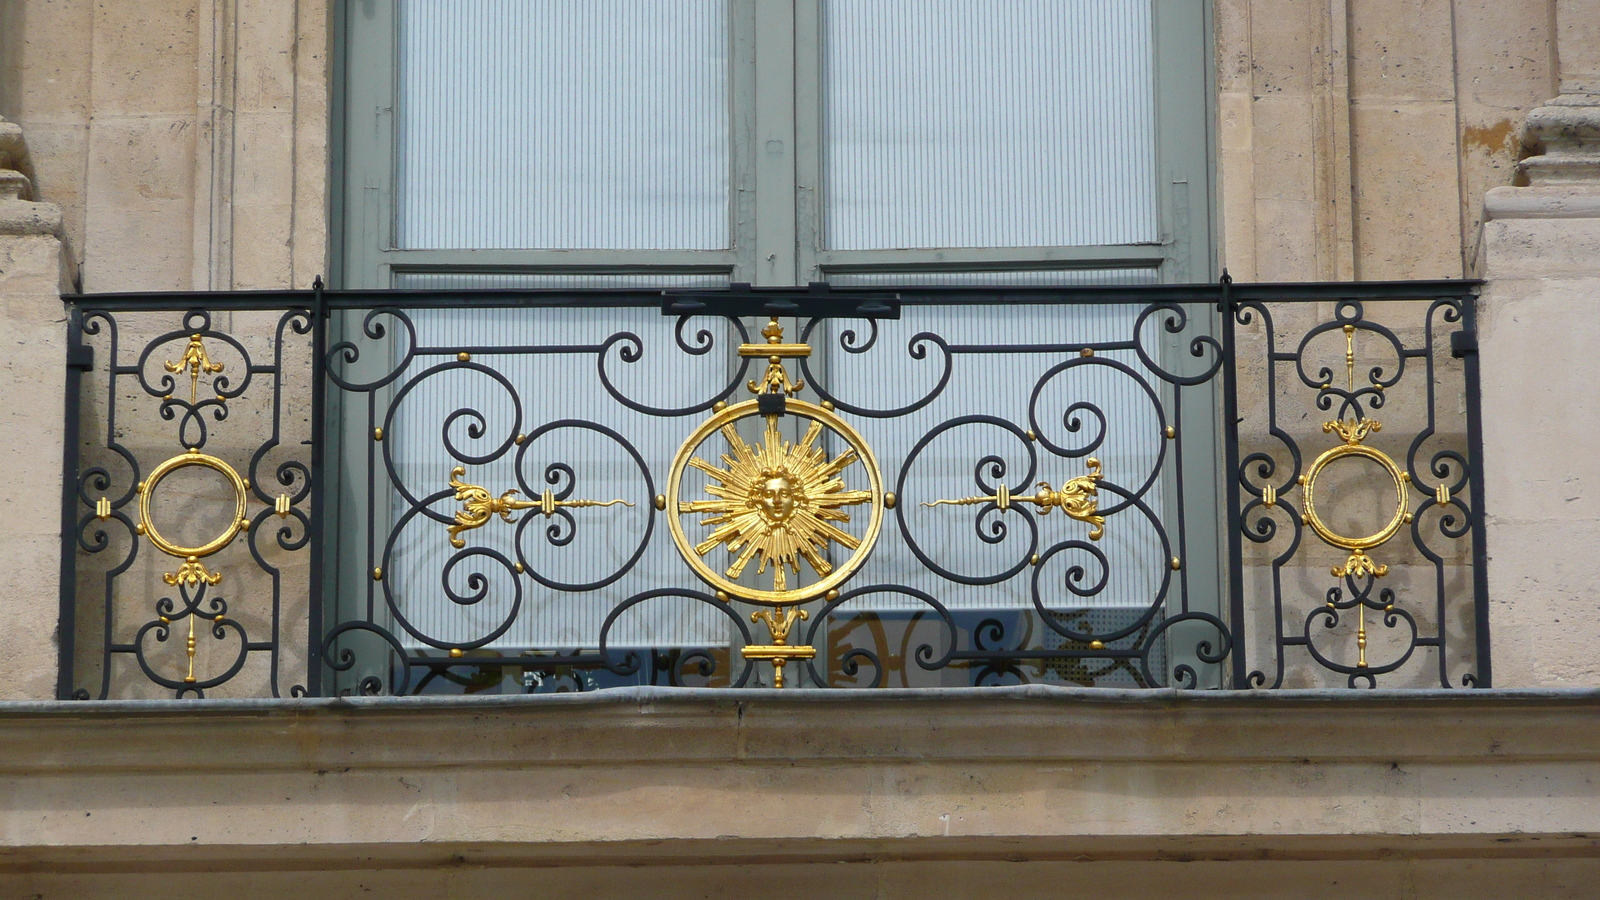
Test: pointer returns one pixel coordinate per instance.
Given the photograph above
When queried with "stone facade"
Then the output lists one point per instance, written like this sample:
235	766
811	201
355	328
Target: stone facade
184	145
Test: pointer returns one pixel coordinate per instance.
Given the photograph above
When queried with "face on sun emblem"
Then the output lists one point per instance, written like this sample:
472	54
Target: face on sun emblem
775	503
775	496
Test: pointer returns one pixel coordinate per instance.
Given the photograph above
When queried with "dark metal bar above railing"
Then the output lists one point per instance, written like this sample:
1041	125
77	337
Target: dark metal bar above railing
1223	486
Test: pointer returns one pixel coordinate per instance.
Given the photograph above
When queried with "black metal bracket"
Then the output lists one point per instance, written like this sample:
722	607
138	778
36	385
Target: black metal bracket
1463	342
80	356
816	300
771	404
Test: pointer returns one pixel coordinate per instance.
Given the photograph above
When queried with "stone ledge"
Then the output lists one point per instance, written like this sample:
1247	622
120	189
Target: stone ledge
729	851
23	218
623	774
1546	202
718	725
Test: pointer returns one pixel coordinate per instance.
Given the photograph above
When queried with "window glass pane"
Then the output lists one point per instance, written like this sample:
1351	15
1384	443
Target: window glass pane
1039	277
564	124
998	123
480	281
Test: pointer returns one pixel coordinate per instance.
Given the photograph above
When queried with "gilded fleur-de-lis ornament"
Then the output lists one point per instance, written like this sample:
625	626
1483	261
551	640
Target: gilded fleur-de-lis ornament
1079	498
196	362
478	506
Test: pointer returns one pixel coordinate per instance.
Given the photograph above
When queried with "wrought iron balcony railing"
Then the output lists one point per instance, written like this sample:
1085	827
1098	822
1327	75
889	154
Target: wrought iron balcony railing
1213	486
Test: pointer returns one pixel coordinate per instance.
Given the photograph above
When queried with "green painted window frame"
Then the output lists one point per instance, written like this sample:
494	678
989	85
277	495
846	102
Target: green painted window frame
775	224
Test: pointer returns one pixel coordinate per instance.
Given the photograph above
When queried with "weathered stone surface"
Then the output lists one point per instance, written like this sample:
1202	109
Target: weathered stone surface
624	766
32	348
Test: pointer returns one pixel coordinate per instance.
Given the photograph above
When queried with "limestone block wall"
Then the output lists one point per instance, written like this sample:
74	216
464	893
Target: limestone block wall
32	353
184	140
1356	138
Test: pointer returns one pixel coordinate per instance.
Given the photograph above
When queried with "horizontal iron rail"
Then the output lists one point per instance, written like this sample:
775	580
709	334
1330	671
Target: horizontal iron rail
756	300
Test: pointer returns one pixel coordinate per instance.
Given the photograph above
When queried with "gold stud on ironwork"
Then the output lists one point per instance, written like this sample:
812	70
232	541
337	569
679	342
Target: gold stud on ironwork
888	500
832	594
1097	645
455	653
719	406
1171	432
1176	564
520	439
661	501
518	567
1086	352
377	434
377	574
464	356
723	596
827	405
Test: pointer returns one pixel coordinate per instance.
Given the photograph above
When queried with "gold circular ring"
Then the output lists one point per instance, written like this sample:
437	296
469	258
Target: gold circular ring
1401	483
183	461
677	507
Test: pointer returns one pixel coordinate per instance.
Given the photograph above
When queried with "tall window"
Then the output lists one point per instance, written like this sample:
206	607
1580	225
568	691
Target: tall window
671	142
681	143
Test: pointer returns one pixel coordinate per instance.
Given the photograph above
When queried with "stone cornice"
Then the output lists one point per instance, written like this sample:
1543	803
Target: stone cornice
653	725
635	776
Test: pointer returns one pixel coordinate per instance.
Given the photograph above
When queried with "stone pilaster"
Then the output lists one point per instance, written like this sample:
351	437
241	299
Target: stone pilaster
32	367
1540	335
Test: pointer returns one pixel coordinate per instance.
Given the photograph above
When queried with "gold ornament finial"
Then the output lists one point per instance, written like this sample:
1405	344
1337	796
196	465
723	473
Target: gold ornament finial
776	380
196	361
1079	498
478	506
780	621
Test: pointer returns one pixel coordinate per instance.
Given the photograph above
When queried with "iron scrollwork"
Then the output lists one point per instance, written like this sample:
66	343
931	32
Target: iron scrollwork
418	501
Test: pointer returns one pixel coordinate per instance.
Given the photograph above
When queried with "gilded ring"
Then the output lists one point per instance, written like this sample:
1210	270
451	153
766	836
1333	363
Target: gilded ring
1401	483
675	505
182	461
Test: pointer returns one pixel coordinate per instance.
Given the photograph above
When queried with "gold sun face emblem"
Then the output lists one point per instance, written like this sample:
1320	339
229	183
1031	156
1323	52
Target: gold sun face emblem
776	503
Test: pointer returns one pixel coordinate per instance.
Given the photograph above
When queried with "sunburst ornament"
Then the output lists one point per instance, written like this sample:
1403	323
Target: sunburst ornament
775	503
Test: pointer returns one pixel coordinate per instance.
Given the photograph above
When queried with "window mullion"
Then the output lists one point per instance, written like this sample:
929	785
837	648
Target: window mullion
773	213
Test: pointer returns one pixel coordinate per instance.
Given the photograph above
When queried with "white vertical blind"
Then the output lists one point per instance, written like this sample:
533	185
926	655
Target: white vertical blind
562	124
988	123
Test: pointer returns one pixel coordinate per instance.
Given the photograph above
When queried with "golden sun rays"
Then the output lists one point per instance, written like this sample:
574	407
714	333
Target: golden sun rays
776	502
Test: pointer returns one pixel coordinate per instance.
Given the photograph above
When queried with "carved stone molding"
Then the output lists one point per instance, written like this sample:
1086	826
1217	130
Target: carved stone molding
19	215
1568	130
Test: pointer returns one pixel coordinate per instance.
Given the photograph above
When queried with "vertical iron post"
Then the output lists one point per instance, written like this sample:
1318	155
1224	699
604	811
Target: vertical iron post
1230	415
79	359
319	388
1465	346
